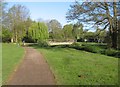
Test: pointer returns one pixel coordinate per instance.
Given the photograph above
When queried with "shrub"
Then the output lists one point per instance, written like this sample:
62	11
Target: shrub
111	52
102	49
86	47
42	43
6	35
76	46
118	54
90	49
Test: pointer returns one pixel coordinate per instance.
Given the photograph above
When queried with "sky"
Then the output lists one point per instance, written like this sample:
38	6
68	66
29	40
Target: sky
49	10
46	10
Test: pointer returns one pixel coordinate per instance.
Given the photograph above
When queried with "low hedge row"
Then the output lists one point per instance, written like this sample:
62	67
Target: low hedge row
96	49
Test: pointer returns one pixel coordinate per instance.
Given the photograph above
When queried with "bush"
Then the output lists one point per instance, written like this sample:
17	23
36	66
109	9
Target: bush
90	49
118	54
76	46
86	47
96	49
42	43
102	51
111	52
6	35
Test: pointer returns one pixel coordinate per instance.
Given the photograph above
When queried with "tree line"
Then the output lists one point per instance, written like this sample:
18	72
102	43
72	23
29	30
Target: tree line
18	26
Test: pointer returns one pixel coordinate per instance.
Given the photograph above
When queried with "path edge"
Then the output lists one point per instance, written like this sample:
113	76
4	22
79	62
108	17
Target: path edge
51	69
15	68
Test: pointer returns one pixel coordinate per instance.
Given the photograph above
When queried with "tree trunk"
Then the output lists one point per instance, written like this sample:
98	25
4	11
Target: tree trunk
12	40
118	34
114	40
110	28
16	38
119	39
113	25
114	34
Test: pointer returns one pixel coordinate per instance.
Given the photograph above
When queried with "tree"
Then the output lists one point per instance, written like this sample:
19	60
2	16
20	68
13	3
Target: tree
28	23
77	31
43	31
100	35
6	35
32	31
2	17
100	13
90	36
17	15
67	30
38	32
55	30
3	13
54	24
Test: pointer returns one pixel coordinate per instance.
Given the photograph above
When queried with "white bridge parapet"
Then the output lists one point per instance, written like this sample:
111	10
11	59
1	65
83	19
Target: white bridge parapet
60	43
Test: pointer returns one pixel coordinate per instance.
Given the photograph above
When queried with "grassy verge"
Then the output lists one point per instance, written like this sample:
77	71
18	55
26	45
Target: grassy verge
11	56
73	67
0	64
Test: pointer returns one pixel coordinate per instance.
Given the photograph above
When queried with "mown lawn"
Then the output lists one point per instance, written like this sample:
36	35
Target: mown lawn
11	56
0	64
74	67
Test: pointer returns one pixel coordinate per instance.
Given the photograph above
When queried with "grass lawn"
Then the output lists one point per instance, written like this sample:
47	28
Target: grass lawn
0	64
74	67
11	56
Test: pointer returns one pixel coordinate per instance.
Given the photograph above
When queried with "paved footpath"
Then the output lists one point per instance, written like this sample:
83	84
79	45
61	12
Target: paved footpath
33	70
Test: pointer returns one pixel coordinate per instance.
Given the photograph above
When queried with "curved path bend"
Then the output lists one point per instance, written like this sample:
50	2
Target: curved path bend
33	70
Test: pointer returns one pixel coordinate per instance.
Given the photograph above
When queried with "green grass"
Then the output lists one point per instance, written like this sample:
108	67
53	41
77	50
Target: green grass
0	64
11	56
74	67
